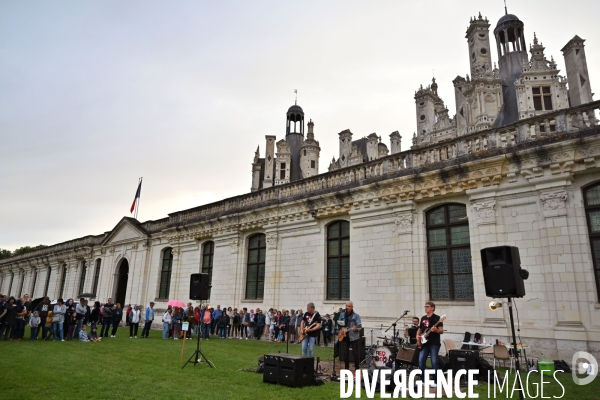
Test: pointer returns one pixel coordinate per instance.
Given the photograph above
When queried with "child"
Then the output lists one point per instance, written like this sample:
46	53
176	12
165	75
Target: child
48	326
272	329
83	337
94	335
34	323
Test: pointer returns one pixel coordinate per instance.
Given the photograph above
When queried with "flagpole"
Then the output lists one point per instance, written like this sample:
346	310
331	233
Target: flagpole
137	207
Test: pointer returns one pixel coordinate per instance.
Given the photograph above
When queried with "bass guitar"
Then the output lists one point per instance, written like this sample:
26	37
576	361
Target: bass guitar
425	335
304	334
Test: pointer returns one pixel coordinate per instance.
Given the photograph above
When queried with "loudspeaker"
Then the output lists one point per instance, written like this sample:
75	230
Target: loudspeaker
344	345
199	287
502	272
289	369
462	359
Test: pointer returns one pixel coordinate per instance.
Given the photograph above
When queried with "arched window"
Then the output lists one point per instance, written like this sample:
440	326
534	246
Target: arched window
255	271
449	253
592	212
63	279
165	273
47	282
208	251
96	277
82	277
338	261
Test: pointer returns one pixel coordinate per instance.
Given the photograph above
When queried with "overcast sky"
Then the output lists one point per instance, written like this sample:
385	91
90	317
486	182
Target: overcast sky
95	94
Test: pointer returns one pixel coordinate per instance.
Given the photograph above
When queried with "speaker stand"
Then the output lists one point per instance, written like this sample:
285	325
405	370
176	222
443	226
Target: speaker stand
198	355
515	354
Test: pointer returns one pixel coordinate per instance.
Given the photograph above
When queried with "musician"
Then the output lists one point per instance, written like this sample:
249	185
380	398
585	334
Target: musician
351	320
410	331
432	347
311	325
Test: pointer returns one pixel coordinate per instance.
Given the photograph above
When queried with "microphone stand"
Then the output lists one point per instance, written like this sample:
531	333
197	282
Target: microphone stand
395	322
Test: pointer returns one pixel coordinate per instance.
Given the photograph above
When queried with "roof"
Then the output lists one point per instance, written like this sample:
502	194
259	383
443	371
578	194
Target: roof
295	109
508	17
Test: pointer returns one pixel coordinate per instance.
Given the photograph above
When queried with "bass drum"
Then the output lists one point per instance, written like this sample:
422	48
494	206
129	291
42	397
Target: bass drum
384	357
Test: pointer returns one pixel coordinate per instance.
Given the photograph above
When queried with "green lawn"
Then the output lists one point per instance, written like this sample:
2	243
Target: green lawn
123	368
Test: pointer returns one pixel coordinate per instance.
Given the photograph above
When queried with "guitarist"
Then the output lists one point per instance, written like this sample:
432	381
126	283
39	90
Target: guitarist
351	320
311	326
432	347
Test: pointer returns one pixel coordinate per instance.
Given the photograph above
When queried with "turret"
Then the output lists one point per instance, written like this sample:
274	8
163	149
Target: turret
282	165
294	137
395	140
309	153
345	147
580	89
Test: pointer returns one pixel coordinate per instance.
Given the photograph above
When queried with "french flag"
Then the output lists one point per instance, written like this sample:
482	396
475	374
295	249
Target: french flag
137	197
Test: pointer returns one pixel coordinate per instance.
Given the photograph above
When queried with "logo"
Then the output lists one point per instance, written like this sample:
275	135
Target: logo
584	363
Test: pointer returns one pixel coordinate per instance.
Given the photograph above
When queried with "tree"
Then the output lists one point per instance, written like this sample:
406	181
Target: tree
21	250
5	254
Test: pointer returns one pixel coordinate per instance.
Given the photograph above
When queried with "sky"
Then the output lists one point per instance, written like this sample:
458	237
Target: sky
95	94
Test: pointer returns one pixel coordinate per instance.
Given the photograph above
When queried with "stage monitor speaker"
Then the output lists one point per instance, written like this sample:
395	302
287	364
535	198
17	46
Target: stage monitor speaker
344	344
462	359
502	274
199	287
271	369
289	369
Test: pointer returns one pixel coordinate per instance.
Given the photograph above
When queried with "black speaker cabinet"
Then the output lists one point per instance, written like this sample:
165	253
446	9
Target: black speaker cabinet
462	359
344	344
199	287
502	272
289	369
271	371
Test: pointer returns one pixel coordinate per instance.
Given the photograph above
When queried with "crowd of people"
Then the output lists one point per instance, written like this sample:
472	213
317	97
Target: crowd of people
70	320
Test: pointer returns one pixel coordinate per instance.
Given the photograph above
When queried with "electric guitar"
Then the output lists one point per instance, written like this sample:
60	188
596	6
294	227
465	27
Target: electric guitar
425	335
343	331
304	334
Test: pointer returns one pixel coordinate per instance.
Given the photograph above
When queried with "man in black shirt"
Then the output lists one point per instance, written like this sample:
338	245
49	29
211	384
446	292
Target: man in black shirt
410	331
432	347
42	310
311	325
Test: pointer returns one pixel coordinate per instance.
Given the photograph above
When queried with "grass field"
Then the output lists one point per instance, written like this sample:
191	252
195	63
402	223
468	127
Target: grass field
123	368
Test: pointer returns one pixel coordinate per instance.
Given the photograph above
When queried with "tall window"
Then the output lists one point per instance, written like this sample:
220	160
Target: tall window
63	279
592	211
165	273
255	273
21	283
82	277
47	281
12	277
449	253
96	277
33	283
208	251
338	261
282	171
542	98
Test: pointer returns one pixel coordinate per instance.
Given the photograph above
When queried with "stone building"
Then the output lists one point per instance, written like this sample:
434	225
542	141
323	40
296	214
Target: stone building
517	165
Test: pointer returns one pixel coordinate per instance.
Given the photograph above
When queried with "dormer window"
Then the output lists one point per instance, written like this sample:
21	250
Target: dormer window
542	98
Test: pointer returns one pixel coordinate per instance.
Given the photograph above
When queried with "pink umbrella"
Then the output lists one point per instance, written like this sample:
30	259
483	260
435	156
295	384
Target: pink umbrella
176	303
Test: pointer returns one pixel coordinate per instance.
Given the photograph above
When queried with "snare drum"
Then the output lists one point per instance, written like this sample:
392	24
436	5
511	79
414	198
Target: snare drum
384	356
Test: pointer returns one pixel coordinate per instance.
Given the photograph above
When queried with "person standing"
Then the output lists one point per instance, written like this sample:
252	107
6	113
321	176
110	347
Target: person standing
299	316
116	319
107	312
10	314
311	326
326	329
2	315
134	321
42	310
432	347
149	318
34	323
80	311
95	314
260	321
216	316
222	325
206	320
58	320
351	321
167	319
19	324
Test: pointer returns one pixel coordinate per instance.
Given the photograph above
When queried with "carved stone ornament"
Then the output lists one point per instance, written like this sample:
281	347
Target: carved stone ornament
272	239
135	246
175	251
403	223
234	243
554	203
485	209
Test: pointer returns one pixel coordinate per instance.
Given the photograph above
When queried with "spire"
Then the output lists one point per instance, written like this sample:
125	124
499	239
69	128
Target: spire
296	100
505	9
535	39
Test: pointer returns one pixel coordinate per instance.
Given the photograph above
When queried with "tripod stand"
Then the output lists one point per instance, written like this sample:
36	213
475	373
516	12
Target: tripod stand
198	355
